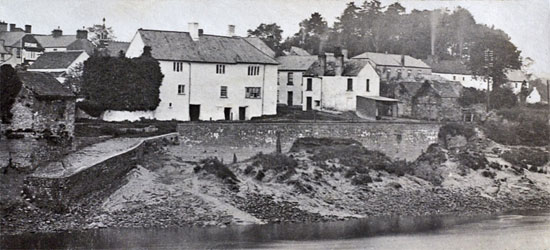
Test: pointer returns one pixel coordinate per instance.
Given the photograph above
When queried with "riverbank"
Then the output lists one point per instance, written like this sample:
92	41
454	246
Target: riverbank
317	180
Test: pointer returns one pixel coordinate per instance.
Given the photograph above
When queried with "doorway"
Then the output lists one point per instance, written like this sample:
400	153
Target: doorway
194	112
309	103
227	114
242	113
290	98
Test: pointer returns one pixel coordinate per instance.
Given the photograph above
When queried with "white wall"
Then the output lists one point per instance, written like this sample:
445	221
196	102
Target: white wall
296	88
468	81
534	96
314	93
135	49
54	49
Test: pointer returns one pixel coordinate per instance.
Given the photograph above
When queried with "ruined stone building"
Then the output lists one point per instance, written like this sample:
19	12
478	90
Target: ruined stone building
43	107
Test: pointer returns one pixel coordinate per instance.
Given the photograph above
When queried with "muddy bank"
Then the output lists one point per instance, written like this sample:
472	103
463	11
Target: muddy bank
318	180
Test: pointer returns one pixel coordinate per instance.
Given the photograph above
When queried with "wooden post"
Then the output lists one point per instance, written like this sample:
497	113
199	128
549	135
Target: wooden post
278	143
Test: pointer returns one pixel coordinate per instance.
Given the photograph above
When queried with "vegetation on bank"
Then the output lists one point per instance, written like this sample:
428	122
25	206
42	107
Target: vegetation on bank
525	125
142	128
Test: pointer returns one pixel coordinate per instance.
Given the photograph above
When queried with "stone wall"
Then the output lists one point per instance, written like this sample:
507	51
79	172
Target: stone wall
28	153
91	183
396	139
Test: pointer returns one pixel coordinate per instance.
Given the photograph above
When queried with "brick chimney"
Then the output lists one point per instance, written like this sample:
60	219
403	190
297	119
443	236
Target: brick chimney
3	26
12	26
231	30
193	29
28	28
57	32
81	34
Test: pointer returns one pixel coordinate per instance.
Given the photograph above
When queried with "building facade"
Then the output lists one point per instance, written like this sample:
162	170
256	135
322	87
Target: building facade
59	63
290	78
18	46
206	77
456	70
392	66
57	41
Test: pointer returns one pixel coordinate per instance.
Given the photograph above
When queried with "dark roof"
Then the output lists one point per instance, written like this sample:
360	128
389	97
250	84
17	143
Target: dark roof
49	41
298	51
296	63
383	59
351	67
447	89
11	38
44	85
114	47
441	86
174	45
259	44
449	67
82	44
56	60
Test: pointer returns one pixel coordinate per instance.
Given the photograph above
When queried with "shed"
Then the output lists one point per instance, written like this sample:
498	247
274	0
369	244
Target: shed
373	107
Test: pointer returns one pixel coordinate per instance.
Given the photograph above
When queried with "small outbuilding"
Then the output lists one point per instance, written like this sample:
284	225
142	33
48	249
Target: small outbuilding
374	107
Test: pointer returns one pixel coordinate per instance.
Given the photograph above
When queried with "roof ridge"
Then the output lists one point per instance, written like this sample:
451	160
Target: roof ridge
242	38
172	31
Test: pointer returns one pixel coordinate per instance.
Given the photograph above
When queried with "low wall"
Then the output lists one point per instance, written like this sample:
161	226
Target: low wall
398	140
58	193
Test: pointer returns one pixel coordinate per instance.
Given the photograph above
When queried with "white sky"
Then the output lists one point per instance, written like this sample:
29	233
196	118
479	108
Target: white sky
526	21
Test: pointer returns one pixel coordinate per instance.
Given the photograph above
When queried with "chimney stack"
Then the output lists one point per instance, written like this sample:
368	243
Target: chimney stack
28	28
193	29
402	60
57	32
323	63
12	26
3	26
201	32
81	34
339	65
345	53
230	30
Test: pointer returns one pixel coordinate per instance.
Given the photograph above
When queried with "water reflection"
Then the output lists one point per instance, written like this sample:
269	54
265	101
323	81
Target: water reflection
352	234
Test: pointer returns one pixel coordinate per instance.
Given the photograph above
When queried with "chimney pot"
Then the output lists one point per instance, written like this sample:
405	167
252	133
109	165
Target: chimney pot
231	30
3	26
28	28
193	29
57	32
12	26
81	34
201	32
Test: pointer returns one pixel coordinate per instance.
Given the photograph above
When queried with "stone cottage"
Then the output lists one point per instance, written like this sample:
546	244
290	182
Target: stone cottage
43	107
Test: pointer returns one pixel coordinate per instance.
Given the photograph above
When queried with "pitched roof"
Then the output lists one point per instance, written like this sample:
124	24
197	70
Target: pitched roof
44	85
114	47
351	67
49	41
447	89
174	45
516	75
296	63
354	66
82	44
298	51
2	49
56	60
259	44
382	59
11	38
449	67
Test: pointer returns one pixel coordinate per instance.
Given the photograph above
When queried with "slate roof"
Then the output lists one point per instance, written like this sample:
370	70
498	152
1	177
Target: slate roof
259	44
12	39
383	59
298	51
56	60
441	86
44	85
114	47
296	63
2	49
175	45
49	41
449	67
516	75
352	67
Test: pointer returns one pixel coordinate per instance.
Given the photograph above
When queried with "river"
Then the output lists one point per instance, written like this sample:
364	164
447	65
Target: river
517	230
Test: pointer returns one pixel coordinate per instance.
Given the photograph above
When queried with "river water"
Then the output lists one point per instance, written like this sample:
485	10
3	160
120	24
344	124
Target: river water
518	230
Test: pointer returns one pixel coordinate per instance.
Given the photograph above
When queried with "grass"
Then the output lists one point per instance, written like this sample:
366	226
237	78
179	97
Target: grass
282	165
527	126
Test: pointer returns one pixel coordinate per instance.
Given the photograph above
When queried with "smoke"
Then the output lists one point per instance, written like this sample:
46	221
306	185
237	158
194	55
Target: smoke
434	21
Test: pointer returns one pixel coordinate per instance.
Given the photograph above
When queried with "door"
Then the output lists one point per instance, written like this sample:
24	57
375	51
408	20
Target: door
227	114
194	112
242	113
309	103
290	98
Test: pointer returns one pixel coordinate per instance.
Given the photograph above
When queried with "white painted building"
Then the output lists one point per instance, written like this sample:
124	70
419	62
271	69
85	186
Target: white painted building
516	79
206	77
290	79
333	83
59	63
455	70
534	96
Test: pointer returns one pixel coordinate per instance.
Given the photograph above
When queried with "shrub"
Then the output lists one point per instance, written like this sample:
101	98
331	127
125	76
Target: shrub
217	168
526	156
10	86
361	180
279	163
502	98
473	160
488	174
91	108
472	96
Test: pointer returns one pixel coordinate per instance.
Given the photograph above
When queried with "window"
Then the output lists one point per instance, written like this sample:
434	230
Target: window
181	89
277	95
290	78
220	69
253	70
454	78
463	78
368	85
350	84
399	74
253	93
223	92
309	85
169	105
317	103
178	66
18	53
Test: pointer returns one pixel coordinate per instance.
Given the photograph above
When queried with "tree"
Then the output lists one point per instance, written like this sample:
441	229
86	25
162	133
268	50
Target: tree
313	32
10	86
98	32
74	79
270	34
502	97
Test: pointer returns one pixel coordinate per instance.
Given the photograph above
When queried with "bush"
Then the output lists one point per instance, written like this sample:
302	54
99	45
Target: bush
471	96
525	156
473	160
361	180
283	165
503	98
91	108
217	168
10	86
488	174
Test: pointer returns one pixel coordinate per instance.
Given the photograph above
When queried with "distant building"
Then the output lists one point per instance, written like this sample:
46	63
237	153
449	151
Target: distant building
392	66
290	78
116	48
456	70
296	51
59	63
206	77
335	83
56	41
516	79
534	96
18	46
43	106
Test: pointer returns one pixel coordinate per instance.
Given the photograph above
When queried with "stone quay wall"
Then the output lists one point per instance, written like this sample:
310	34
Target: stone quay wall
398	140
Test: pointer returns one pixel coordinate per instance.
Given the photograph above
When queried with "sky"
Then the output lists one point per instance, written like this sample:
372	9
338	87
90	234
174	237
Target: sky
526	21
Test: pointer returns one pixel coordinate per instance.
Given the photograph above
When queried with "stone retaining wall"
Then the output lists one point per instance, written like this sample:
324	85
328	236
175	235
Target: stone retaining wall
61	192
398	140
